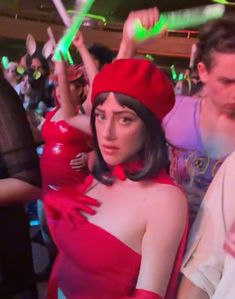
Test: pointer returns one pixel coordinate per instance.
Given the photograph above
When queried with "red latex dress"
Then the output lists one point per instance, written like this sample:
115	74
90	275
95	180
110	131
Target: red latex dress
62	144
93	264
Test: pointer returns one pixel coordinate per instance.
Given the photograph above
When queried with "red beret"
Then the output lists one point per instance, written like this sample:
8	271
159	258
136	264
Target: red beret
139	79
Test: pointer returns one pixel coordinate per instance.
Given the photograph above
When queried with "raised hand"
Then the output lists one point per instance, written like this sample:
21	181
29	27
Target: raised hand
78	40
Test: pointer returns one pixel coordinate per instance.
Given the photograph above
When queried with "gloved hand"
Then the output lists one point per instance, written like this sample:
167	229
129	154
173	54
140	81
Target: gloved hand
70	204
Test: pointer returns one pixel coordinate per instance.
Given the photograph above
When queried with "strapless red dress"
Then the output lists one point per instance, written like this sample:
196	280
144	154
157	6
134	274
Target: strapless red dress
62	144
93	264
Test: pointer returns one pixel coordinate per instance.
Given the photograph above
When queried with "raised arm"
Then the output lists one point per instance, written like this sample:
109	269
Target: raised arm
68	110
89	65
128	46
87	59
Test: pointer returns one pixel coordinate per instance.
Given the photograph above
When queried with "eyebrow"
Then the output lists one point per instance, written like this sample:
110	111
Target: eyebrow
231	80
116	112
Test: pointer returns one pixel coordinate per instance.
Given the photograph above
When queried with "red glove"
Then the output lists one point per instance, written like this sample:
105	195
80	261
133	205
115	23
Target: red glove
143	294
68	203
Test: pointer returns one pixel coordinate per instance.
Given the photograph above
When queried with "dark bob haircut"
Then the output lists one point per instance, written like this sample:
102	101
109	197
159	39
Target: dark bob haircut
154	154
216	36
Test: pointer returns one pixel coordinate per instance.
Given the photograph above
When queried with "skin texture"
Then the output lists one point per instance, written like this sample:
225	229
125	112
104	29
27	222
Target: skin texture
118	127
217	117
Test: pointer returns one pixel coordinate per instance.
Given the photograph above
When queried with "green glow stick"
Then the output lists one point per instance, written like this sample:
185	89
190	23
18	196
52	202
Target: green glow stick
180	19
91	16
180	77
5	62
224	2
173	73
69	58
66	40
96	17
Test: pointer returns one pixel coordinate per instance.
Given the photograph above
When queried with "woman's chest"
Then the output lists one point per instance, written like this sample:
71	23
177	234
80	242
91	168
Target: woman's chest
122	212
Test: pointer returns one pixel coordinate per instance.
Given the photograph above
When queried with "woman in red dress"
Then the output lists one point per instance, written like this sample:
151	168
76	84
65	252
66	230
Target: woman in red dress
62	141
132	246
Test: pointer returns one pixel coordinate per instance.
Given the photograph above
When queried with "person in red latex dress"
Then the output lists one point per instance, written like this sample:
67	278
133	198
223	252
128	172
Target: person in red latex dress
131	247
62	141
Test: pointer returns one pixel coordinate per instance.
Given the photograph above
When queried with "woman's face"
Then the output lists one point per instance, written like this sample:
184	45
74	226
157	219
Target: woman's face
120	132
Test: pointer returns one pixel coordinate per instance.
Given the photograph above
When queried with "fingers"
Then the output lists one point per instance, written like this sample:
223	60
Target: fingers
79	162
85	209
89	201
147	17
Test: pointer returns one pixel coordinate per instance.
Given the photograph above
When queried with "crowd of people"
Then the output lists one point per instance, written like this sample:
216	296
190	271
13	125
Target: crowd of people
135	178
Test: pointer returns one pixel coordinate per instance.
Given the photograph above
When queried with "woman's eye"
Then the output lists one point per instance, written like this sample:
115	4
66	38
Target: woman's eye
125	120
100	116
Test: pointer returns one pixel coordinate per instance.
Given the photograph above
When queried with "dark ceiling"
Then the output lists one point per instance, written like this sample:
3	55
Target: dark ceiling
113	10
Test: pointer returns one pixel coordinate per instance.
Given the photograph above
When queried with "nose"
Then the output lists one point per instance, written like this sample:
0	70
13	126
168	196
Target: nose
109	132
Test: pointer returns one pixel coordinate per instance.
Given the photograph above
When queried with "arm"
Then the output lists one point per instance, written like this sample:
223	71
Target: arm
15	190
188	290
87	59
67	108
89	65
35	122
159	246
128	46
69	112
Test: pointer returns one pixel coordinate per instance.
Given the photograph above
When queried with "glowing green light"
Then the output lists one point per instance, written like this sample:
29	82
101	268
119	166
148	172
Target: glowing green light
66	40
37	75
20	70
96	17
91	16
173	73
181	76
149	57
180	19
5	62
225	2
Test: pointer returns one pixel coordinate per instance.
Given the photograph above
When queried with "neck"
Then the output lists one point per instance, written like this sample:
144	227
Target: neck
210	110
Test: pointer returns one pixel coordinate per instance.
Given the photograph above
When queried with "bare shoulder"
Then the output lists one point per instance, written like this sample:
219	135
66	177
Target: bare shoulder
166	198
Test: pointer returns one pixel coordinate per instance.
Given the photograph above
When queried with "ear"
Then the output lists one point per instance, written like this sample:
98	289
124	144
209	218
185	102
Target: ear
202	72
51	36
48	49
31	45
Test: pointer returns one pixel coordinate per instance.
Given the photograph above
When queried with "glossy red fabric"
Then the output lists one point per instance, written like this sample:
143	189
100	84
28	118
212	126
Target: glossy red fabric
93	264
62	144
